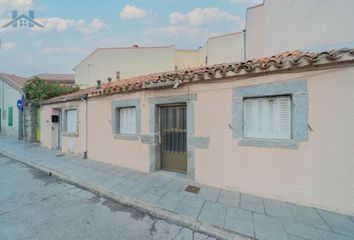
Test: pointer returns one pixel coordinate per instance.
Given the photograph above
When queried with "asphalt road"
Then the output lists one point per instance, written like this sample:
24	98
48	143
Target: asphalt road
34	205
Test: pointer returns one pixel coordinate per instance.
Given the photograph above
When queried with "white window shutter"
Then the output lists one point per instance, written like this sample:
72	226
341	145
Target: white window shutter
268	117
127	120
261	112
271	117
284	111
249	118
71	121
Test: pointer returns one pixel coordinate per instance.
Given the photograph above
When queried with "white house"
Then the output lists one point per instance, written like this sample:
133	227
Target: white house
317	25
122	63
10	92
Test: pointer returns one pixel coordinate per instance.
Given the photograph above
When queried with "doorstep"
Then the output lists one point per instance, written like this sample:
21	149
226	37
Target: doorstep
213	211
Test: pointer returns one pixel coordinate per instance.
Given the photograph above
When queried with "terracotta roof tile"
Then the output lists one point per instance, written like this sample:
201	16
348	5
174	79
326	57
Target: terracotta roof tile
282	61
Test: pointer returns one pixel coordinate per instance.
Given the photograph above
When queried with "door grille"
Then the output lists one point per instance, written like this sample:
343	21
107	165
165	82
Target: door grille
173	130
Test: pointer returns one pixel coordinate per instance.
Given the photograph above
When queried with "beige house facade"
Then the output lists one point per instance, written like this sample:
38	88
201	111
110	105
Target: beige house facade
276	127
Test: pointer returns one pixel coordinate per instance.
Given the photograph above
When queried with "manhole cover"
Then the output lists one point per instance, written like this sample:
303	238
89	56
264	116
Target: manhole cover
192	189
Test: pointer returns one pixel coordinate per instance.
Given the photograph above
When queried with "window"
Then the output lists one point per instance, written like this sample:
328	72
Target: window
71	121
10	119
127	120
268	117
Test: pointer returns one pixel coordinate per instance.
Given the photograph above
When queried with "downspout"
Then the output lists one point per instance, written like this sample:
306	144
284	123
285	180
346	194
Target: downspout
85	98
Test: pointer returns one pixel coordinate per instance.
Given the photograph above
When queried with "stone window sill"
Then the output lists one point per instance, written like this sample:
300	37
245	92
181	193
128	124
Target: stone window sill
131	137
271	143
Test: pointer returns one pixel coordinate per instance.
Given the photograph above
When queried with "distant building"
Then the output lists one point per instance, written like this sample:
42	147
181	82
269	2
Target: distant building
106	64
11	90
223	49
317	25
62	79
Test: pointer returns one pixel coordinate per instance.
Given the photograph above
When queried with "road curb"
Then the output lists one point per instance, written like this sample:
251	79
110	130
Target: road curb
172	217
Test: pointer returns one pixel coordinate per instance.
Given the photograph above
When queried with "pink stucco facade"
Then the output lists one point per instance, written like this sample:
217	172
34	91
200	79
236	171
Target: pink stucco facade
318	173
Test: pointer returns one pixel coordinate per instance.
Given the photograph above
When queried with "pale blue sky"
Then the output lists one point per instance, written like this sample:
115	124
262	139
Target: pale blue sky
73	29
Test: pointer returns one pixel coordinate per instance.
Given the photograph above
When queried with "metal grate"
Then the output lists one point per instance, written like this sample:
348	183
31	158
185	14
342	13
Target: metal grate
192	189
174	129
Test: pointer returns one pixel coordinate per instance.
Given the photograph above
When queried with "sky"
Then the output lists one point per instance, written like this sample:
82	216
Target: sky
73	29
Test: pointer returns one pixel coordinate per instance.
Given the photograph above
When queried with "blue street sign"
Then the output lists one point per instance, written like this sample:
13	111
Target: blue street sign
20	105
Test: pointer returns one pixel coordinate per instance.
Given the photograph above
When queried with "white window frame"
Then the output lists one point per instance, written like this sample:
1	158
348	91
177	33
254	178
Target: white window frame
126	120
69	128
297	89
121	104
267	117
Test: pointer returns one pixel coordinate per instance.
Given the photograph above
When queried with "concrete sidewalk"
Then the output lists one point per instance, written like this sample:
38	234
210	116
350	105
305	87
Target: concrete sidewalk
216	212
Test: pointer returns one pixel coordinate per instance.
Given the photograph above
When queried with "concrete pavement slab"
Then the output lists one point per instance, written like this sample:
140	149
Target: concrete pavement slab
337	222
213	213
307	215
301	230
229	198
209	193
326	235
269	228
252	203
171	200
278	209
293	237
240	220
190	206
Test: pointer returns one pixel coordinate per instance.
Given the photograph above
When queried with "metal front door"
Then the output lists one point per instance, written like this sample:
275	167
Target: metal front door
173	129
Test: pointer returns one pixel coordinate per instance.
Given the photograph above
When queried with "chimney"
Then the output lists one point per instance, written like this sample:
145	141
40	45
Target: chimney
117	75
14	16
98	84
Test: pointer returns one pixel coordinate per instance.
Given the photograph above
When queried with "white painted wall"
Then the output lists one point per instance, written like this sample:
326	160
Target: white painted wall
8	98
282	25
225	48
131	62
187	59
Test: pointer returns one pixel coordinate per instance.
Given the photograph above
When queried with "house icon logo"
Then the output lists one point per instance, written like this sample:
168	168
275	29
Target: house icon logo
23	20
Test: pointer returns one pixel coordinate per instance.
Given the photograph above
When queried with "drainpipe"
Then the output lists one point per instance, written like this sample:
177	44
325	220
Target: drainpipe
85	98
